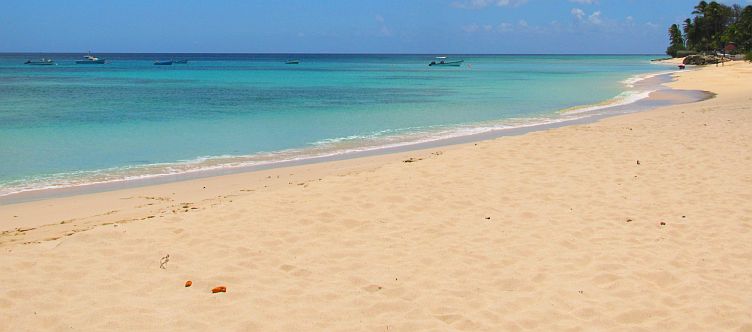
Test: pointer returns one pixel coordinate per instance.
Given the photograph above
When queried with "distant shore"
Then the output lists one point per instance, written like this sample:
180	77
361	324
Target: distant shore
637	221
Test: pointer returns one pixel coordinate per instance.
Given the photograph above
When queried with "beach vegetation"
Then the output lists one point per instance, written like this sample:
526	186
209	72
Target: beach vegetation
685	53
677	41
713	26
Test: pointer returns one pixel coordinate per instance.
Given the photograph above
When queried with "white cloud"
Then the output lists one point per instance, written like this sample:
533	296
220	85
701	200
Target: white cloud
502	3
585	2
578	13
477	4
595	18
629	21
504	27
471	28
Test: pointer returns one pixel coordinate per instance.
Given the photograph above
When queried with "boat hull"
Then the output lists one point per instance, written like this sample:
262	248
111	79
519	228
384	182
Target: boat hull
446	64
163	63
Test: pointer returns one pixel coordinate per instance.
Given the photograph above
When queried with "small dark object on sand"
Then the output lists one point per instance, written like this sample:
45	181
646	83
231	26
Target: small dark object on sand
188	283
638	162
488	218
663	223
629	220
219	289
163	262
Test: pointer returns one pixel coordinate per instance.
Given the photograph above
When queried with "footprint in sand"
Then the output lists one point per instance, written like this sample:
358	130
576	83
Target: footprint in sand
295	271
449	319
372	288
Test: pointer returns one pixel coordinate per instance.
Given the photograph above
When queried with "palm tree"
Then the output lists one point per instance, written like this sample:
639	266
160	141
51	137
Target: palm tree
689	33
700	8
677	41
712	26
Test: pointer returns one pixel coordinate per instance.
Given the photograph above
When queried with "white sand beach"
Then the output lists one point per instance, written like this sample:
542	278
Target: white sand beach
639	222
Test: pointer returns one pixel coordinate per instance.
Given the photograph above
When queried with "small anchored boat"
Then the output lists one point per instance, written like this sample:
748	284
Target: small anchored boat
41	62
90	60
443	61
163	63
292	62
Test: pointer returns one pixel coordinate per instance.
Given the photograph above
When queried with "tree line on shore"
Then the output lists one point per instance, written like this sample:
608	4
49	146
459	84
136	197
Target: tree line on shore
713	27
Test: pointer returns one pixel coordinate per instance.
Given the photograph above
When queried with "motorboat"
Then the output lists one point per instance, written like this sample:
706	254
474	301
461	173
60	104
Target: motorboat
163	63
443	61
40	62
90	60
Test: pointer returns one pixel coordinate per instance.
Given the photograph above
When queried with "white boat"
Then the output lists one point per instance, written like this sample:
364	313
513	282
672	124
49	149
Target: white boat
42	62
90	60
442	61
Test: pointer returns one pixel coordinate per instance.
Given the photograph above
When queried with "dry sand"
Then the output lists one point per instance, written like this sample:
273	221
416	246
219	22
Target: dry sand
552	230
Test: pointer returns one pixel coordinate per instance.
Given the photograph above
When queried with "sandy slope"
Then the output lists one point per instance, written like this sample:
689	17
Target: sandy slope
554	230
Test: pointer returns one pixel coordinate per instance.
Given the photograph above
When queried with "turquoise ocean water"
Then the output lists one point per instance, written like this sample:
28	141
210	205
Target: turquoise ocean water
69	124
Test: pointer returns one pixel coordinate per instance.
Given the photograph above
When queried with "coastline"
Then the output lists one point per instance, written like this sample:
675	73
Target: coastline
636	97
550	229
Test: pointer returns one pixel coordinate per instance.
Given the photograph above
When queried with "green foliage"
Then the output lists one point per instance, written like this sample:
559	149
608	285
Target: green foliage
677	41
713	26
681	54
740	32
748	56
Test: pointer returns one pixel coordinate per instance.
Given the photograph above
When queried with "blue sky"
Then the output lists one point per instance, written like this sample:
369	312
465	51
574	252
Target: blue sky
341	26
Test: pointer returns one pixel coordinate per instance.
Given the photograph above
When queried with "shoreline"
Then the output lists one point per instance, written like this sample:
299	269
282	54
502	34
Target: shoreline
639	221
648	83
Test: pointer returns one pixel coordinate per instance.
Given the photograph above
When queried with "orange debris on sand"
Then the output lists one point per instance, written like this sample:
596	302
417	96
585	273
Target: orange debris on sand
188	283
219	289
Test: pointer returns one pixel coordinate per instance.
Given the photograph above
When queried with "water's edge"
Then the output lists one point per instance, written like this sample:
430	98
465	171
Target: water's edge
657	94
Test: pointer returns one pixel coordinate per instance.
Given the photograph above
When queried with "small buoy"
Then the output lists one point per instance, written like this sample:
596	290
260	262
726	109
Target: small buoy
219	289
188	283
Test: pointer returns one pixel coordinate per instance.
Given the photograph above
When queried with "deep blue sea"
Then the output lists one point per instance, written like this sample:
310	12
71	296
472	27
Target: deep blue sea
69	124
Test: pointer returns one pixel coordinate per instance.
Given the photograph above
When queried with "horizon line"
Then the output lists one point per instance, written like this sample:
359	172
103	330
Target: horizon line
319	53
